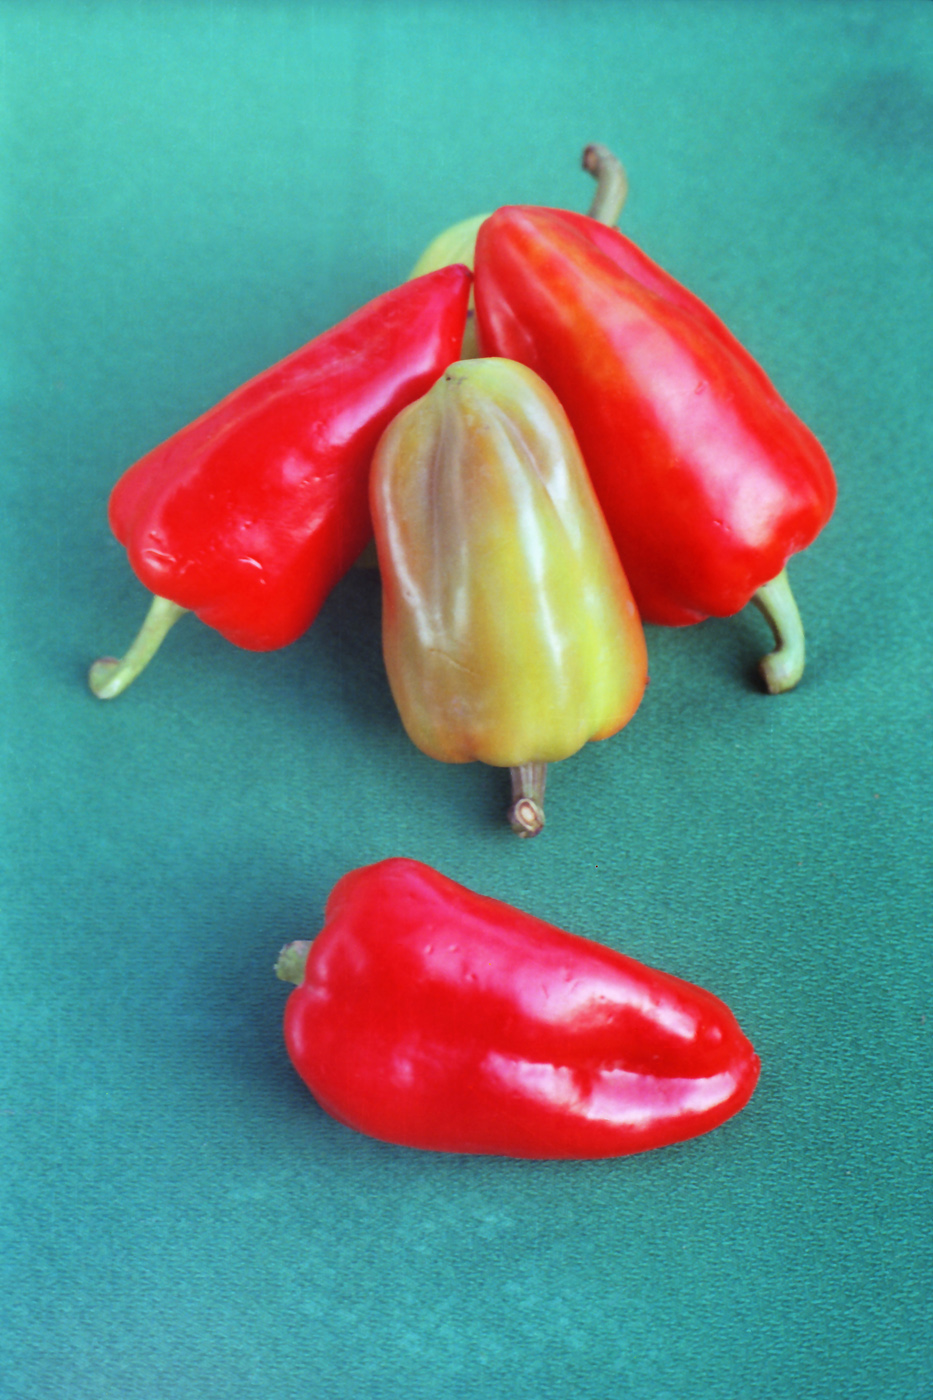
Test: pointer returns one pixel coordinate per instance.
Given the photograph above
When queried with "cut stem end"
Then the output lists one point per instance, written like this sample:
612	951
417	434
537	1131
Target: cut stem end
290	964
526	814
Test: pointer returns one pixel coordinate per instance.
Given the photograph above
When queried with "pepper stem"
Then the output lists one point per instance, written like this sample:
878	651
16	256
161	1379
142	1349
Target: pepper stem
526	814
290	964
611	184
110	676
781	669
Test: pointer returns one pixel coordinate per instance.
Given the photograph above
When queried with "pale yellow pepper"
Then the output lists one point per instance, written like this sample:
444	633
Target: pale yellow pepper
509	630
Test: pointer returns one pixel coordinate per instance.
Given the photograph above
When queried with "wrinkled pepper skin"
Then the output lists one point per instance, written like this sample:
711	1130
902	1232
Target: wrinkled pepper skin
707	479
509	631
250	515
432	1017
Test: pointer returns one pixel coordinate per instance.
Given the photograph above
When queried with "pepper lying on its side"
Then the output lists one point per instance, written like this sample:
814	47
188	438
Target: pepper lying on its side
251	514
432	1017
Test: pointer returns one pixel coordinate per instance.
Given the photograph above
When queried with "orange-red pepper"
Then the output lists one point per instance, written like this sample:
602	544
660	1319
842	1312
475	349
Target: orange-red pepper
707	479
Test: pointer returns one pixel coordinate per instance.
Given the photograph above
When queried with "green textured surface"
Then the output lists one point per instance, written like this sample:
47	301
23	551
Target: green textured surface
188	193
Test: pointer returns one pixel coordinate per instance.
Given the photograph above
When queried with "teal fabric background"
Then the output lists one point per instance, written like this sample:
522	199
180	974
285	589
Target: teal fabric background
189	192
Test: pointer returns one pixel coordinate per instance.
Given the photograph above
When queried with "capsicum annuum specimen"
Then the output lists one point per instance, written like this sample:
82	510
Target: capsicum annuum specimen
434	1017
249	515
708	480
509	630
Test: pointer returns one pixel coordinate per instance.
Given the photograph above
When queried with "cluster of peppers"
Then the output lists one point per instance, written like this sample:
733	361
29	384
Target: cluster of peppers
552	442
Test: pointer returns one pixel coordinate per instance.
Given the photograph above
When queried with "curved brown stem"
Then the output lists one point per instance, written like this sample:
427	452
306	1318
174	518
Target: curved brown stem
290	964
781	669
611	184
526	814
110	676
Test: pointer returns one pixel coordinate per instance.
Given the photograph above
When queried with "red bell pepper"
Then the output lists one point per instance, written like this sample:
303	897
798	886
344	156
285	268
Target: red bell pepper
707	479
250	515
433	1017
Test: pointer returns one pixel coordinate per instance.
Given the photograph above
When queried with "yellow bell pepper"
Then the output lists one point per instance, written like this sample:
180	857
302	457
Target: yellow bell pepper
509	631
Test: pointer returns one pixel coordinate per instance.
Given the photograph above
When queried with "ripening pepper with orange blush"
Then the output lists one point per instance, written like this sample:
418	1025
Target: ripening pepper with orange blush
708	480
509	631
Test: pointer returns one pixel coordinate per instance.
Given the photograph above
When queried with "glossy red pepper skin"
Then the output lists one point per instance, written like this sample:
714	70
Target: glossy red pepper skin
437	1018
251	514
707	479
